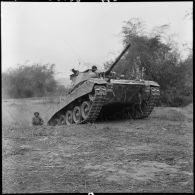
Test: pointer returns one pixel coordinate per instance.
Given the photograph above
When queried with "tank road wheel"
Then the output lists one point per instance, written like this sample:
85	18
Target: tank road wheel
62	120
76	114
85	107
69	119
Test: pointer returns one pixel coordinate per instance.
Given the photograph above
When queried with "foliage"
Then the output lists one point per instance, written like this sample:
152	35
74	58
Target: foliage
29	81
161	60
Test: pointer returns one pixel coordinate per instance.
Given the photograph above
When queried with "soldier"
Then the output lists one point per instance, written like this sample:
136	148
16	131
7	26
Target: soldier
76	72
94	68
142	73
93	72
137	68
37	120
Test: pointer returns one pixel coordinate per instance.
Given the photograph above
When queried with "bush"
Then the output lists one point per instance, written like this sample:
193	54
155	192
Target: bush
161	61
28	81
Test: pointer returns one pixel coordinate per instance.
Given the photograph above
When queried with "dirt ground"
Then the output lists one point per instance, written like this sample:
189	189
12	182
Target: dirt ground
150	155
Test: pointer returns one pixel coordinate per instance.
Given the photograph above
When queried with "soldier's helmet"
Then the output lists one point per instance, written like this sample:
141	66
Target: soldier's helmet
36	114
94	68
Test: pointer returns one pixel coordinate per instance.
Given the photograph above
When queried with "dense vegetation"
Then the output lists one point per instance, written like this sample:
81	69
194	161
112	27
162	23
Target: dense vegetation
36	80
161	60
158	54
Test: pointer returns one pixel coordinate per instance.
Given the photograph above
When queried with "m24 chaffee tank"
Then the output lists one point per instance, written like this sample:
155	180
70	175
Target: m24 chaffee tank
101	95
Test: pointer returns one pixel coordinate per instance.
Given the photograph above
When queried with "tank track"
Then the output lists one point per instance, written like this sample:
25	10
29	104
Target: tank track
98	102
100	98
149	104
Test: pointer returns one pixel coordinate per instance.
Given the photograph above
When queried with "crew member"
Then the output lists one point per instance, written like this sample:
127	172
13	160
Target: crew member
94	68
137	68
76	72
37	120
92	72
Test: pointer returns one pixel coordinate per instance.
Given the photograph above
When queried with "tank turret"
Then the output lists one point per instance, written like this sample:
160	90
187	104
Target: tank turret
78	77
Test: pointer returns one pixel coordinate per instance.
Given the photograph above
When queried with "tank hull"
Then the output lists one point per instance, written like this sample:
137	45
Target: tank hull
126	98
120	91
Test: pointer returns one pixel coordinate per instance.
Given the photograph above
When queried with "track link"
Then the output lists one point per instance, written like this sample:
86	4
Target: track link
150	103
99	99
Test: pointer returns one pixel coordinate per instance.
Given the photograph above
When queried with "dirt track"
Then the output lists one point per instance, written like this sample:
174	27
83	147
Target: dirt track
150	155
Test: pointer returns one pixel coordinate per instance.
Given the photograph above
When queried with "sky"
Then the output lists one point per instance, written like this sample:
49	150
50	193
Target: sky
74	35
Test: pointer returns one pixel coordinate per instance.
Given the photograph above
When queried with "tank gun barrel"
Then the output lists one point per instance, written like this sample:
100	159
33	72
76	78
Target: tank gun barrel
117	59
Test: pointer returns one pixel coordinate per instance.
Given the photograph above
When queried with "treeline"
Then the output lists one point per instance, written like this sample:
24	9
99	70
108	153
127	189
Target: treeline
162	62
157	52
36	80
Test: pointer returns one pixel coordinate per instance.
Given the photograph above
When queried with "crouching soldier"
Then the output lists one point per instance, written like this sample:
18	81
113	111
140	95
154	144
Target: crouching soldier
37	120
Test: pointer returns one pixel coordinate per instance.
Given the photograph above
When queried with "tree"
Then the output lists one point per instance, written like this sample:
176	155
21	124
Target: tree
29	81
161	59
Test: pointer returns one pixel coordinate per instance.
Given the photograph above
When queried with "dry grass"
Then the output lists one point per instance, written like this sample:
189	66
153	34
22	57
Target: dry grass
170	114
150	155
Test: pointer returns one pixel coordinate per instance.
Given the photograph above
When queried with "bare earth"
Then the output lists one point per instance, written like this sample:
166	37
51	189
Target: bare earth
150	155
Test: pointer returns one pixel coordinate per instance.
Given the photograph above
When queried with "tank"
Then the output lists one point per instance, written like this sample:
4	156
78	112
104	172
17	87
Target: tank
103	96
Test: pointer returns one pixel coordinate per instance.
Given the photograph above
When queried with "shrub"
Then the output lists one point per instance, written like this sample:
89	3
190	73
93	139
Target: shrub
28	81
